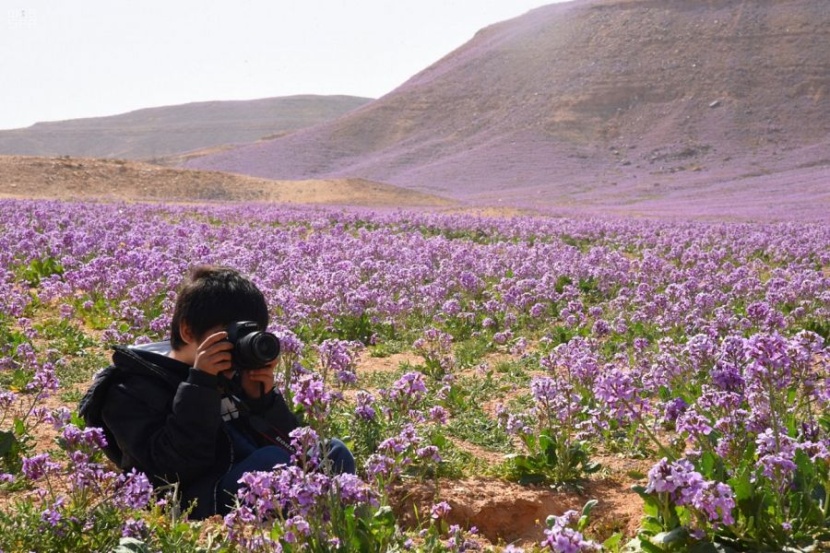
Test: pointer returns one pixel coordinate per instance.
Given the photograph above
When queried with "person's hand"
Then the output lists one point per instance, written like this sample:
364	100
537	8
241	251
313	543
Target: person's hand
214	354
258	382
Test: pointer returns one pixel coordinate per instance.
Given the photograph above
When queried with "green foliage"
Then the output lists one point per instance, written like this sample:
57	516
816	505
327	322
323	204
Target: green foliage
14	444
476	427
550	459
65	337
38	269
820	327
364	529
387	347
78	369
10	337
78	526
354	327
469	353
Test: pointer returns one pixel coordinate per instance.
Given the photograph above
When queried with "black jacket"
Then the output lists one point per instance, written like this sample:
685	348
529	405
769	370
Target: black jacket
162	418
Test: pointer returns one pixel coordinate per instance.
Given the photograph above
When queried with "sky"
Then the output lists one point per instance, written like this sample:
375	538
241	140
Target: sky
67	59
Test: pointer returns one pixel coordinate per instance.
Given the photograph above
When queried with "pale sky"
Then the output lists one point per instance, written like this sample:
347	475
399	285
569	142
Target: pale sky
65	59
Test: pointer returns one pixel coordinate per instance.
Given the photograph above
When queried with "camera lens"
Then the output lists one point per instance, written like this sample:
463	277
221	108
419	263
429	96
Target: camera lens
256	349
265	346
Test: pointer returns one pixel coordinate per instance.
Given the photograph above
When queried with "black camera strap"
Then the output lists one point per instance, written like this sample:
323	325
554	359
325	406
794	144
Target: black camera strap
266	432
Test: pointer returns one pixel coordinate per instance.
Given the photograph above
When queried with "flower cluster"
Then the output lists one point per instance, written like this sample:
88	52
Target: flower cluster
560	537
687	487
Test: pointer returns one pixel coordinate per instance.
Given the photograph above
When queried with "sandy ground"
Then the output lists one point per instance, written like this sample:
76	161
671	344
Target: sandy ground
66	178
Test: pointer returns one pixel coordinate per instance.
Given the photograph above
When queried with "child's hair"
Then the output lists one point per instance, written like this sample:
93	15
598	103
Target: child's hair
211	296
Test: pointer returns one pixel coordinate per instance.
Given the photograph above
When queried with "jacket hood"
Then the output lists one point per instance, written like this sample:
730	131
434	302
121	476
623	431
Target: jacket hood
148	361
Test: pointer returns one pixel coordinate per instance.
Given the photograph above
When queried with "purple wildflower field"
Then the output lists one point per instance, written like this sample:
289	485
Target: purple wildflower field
549	343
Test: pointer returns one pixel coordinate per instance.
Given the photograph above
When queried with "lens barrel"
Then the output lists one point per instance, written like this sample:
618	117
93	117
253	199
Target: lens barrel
257	349
252	348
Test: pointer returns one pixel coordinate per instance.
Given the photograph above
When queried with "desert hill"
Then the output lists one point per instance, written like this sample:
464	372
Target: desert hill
596	102
158	133
67	178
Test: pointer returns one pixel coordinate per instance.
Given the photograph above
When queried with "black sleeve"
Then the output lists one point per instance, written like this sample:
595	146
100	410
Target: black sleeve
173	439
272	409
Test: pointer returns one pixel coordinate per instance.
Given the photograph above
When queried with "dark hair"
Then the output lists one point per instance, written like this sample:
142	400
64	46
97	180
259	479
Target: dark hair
211	296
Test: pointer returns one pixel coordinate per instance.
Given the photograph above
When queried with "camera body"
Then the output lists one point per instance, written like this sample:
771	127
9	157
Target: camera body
252	348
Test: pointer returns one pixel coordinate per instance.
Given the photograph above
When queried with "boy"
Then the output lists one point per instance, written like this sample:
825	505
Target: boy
186	415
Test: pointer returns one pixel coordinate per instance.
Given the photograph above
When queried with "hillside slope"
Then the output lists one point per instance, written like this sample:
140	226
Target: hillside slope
67	178
592	101
156	133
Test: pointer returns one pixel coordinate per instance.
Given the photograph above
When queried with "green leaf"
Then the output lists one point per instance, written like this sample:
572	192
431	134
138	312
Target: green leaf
591	467
652	525
709	547
589	506
77	420
667	538
650	547
613	542
7	443
742	485
385	514
641	491
131	545
707	464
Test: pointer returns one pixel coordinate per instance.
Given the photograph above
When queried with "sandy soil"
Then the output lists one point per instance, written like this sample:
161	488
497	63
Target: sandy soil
67	178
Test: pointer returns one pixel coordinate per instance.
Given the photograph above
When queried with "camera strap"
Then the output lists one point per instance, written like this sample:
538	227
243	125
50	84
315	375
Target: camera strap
267	433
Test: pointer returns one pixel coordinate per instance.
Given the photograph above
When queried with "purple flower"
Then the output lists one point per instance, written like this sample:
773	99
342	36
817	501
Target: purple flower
380	467
673	408
502	338
561	538
693	423
439	415
351	490
6	400
451	307
89	439
429	452
289	342
137	529
364	409
340	357
309	392
717	501
537	310
134	490
45	380
407	391
36	467
619	391
601	328
685	486
298	524
308	451
59	418
53	515
727	376
440	510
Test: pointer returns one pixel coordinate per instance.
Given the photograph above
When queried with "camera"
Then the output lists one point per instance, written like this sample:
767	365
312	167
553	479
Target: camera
252	348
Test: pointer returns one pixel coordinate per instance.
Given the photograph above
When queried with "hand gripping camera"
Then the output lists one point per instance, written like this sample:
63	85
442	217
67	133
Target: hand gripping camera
252	348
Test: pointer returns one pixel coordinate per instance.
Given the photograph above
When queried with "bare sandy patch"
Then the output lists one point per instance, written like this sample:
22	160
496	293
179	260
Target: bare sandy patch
67	178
